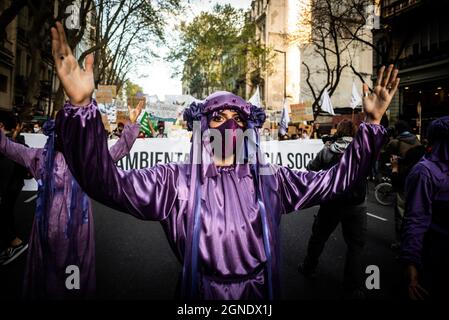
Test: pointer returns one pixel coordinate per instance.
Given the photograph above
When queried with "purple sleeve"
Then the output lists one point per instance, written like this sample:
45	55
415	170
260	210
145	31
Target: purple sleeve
148	194
418	214
302	189
123	146
25	156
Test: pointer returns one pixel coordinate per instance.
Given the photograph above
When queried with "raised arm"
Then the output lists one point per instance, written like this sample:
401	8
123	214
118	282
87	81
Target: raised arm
147	194
26	157
301	189
129	135
305	189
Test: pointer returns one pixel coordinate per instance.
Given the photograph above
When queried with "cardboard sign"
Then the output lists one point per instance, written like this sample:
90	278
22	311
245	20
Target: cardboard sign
112	89
301	112
104	96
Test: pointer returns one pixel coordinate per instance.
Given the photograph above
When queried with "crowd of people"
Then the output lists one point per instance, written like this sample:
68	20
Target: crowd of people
221	214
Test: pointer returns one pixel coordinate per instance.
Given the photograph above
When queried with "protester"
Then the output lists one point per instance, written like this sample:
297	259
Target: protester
349	209
398	147
11	184
117	132
266	134
317	132
37	128
63	231
160	130
425	233
221	215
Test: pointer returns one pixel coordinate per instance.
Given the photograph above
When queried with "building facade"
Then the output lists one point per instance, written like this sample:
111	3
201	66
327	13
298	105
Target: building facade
7	61
16	63
417	41
275	21
281	26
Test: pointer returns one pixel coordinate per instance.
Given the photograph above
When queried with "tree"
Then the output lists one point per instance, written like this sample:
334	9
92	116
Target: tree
117	30
391	49
218	50
329	21
132	89
122	27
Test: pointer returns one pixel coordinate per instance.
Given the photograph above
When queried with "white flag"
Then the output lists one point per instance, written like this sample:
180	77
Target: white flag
356	99
326	104
255	99
285	119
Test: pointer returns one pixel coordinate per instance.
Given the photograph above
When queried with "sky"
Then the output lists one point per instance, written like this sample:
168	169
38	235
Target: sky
155	78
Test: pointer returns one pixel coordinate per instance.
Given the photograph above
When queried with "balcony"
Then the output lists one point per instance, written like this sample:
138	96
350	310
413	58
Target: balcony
427	57
391	9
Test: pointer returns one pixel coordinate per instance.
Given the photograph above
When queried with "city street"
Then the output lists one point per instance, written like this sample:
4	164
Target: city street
134	260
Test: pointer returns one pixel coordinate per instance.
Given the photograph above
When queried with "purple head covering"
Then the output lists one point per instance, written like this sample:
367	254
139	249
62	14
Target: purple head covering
254	116
438	136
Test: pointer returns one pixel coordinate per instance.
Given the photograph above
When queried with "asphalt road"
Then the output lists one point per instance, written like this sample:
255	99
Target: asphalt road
134	260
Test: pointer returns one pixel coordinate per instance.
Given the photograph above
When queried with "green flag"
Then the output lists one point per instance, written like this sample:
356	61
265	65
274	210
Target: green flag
144	126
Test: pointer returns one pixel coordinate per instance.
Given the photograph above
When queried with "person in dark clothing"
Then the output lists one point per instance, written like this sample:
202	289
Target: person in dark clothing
425	231
11	184
397	149
347	208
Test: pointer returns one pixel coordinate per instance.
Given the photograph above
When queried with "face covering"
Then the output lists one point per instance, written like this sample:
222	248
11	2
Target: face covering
228	144
36	130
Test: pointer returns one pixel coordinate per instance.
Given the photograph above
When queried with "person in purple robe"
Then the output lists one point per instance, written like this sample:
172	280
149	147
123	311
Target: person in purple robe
63	231
425	233
221	215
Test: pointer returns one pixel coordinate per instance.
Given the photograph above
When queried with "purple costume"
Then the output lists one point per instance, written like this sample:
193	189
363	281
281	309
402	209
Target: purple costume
221	222
425	233
67	236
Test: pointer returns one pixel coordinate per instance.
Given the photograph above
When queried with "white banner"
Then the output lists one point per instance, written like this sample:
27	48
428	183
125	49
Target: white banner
145	153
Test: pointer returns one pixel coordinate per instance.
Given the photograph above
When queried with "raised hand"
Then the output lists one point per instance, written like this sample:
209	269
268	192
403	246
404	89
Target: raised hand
375	104
78	84
17	131
134	113
415	291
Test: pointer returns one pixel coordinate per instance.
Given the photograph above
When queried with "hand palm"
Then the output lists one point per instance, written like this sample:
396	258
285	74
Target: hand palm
376	104
134	113
78	83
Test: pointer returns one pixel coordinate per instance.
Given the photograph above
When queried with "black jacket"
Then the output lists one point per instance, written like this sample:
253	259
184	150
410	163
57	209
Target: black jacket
329	156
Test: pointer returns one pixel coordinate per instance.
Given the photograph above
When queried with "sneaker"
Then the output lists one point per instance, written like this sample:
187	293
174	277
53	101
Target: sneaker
306	271
12	253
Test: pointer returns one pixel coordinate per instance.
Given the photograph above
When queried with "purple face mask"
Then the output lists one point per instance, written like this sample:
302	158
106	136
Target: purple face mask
228	131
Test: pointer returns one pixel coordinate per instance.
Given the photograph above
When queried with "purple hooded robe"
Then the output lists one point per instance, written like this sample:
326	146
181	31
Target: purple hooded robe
222	222
69	230
425	230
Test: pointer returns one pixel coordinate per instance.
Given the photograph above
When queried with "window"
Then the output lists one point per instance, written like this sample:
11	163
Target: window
3	83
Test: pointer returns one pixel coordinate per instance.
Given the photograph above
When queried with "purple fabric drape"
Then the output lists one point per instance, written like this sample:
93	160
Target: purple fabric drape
231	252
45	271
